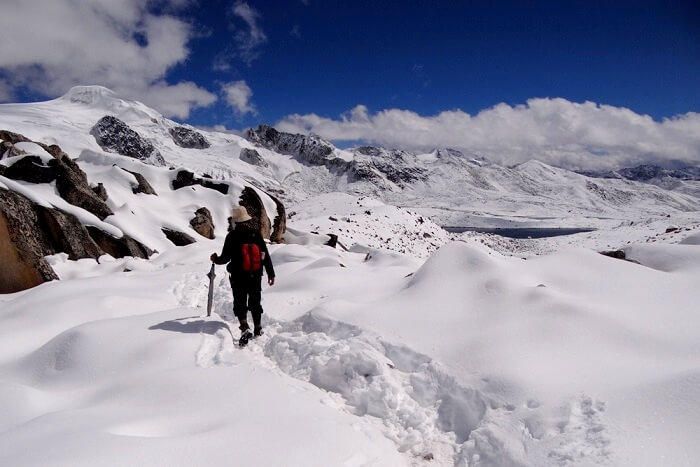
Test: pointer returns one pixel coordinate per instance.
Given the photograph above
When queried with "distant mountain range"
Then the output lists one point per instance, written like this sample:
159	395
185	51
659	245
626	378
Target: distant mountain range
450	186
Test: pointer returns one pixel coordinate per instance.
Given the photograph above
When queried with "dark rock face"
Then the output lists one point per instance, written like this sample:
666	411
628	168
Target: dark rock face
203	223
114	135
188	138
310	149
178	238
13	138
186	178
72	184
617	254
67	234
100	191
142	184
251	201
31	169
279	225
252	157
23	245
119	247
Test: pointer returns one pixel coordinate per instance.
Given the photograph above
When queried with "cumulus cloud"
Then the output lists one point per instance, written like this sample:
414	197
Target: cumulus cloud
556	131
50	45
238	96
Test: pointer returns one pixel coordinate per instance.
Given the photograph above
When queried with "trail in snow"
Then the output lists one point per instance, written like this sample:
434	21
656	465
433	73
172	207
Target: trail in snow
427	413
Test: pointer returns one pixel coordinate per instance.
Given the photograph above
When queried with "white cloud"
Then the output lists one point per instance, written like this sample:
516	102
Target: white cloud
250	38
238	95
555	131
50	45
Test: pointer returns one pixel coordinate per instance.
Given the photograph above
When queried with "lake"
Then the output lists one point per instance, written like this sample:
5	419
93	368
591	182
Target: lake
521	232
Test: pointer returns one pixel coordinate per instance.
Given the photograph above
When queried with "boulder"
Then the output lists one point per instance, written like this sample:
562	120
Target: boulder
23	245
119	247
100	191
72	185
31	169
178	238
279	225
188	138
67	234
203	223
13	138
142	184
186	178
250	200
113	135
617	254
252	157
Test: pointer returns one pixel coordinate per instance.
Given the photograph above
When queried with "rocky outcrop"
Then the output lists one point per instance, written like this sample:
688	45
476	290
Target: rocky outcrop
188	138
119	247
113	135
186	178
252	157
101	191
12	138
310	149
203	223
178	238
23	245
250	200
72	185
67	234
32	169
142	185
279	225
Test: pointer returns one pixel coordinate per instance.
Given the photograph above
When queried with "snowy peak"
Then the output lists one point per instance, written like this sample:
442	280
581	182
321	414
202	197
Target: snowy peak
90	95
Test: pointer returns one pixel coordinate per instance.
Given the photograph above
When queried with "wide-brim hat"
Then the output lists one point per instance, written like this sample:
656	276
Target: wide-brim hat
240	214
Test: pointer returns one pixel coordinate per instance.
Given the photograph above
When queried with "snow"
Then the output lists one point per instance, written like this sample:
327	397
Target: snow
413	347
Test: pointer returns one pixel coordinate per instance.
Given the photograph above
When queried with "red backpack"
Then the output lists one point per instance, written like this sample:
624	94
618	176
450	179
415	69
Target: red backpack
251	257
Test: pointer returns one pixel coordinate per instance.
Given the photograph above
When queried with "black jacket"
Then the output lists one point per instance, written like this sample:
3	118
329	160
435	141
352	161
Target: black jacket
231	252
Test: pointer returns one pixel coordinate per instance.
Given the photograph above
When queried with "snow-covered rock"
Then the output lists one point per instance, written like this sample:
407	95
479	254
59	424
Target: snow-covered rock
114	135
188	138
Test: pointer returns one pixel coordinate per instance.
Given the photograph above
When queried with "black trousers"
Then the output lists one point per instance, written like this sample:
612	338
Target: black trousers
246	297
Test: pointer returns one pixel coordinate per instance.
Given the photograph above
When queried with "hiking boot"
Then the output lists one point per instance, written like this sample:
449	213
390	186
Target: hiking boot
258	332
245	337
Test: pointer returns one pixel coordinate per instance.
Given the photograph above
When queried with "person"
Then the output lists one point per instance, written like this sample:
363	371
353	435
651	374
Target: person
246	254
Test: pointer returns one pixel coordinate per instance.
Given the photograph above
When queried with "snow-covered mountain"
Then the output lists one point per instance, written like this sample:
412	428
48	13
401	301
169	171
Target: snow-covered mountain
404	346
450	187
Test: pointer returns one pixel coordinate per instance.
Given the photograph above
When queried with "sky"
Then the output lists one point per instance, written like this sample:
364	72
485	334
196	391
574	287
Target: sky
575	83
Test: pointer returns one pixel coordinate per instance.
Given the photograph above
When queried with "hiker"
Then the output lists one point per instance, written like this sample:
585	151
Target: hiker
246	254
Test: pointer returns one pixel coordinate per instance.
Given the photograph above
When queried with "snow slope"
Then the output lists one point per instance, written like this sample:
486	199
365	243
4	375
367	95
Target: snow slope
408	349
472	358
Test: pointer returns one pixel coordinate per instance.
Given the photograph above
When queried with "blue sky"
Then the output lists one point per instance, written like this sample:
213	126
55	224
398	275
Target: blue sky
576	83
328	56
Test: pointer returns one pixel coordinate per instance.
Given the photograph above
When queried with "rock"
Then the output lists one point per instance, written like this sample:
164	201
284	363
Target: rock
332	240
13	138
119	247
31	169
188	138
251	201
203	223
252	157
672	228
142	184
22	245
617	254
279	225
100	191
72	185
67	234
186	178
178	238
310	149
113	135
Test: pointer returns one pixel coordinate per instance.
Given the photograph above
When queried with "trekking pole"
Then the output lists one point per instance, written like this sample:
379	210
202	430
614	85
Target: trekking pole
211	275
